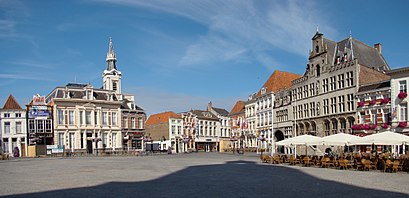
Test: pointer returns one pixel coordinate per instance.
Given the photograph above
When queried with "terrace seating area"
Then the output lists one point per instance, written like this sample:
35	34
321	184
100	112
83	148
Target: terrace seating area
347	161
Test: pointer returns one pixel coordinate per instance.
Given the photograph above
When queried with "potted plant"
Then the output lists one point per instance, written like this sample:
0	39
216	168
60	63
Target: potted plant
361	104
385	100
402	124
385	125
402	95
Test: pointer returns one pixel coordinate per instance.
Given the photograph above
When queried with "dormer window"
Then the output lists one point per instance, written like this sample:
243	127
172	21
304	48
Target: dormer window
263	90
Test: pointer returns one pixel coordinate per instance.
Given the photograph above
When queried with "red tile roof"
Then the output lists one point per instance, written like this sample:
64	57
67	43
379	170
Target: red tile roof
161	117
238	108
11	103
278	80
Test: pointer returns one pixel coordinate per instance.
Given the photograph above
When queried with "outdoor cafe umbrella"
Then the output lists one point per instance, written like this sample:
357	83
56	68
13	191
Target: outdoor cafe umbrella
300	140
340	139
383	138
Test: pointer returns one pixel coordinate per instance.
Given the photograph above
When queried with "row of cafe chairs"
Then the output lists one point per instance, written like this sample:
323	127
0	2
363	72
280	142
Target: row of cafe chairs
344	162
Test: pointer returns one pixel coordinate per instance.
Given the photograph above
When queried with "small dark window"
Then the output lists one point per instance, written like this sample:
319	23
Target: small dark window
318	70
114	86
317	49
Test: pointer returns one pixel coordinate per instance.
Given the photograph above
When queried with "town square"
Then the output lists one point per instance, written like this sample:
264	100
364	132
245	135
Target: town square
187	175
210	98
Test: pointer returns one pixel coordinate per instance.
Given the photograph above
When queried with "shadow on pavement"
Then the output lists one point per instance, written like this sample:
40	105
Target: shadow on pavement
233	179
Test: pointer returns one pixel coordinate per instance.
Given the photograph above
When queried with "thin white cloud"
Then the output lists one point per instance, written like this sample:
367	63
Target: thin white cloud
12	13
155	100
29	63
24	77
244	28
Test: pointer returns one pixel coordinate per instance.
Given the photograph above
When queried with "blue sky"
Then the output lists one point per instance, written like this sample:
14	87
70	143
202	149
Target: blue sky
177	55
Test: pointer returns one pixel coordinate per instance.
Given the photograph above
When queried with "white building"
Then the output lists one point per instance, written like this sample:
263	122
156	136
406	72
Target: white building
224	127
207	133
13	127
399	104
88	118
264	108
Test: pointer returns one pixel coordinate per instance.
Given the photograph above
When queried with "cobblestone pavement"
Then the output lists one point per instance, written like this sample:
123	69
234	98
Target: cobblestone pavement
189	175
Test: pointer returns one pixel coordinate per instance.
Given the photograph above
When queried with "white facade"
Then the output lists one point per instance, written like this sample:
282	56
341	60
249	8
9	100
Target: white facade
399	111
175	134
13	131
250	115
264	114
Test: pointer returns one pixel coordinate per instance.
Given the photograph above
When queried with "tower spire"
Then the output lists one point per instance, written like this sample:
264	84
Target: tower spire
111	56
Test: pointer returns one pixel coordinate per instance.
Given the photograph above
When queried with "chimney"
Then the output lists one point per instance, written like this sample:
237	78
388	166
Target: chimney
378	47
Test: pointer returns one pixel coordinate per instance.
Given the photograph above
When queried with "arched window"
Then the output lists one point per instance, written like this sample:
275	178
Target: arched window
318	70
317	49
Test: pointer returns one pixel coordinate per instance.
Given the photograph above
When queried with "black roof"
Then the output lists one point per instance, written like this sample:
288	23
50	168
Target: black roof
221	111
380	85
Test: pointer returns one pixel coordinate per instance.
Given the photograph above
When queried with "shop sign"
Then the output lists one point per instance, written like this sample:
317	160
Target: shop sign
38	114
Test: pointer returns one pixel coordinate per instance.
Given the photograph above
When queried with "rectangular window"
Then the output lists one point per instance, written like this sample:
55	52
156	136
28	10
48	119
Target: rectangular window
125	122
350	79
18	128
114	86
105	139
114	119
403	112
341	103
341	83
326	106
48	126
114	140
18	115
362	118
104	118
140	123
60	114
173	130
179	130
88	117
95	118
81	117
373	117
61	139
6	115
6	127
350	102
402	86
70	117
40	126
31	126
312	89
333	105
385	116
133	123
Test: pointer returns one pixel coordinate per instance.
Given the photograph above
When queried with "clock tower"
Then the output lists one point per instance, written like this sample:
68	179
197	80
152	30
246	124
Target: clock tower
111	76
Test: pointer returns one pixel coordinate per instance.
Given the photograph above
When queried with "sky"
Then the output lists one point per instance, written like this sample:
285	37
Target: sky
180	55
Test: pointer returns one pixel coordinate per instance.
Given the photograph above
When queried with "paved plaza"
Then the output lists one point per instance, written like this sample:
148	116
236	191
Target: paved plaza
189	175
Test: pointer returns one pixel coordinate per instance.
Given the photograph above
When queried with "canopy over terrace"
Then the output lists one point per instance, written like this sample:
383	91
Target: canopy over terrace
383	138
340	139
300	140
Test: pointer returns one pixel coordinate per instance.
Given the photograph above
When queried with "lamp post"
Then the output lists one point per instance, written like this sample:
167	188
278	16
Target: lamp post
262	139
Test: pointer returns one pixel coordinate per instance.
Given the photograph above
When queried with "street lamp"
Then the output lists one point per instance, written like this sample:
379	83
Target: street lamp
234	139
262	139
